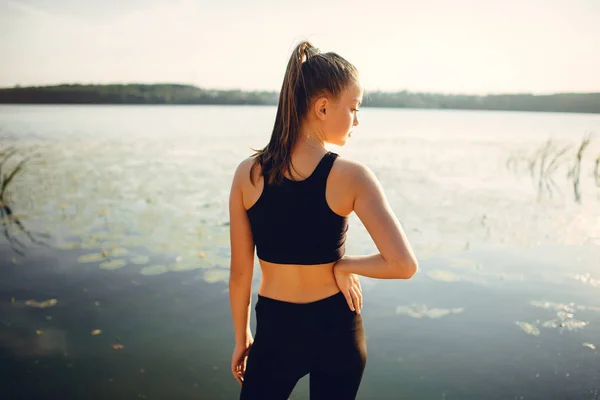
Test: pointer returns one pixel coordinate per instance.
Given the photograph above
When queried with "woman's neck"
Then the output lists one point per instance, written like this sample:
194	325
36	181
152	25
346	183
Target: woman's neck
311	144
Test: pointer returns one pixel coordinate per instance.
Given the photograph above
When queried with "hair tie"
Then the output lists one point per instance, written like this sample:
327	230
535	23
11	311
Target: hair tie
308	52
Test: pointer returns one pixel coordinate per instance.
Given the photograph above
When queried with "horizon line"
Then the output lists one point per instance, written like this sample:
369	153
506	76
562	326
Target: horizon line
19	86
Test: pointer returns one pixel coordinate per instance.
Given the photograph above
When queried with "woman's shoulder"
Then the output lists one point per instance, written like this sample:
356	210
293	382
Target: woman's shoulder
245	165
244	168
349	169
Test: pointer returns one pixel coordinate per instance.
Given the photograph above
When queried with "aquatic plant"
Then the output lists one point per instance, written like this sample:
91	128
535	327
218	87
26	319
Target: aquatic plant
544	162
7	217
575	171
597	171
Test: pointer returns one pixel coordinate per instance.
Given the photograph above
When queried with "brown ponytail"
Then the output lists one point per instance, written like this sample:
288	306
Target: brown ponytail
309	73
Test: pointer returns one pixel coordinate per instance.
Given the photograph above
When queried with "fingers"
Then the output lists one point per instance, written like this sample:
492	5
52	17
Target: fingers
360	296
348	297
358	289
356	299
234	372
238	373
237	370
238	365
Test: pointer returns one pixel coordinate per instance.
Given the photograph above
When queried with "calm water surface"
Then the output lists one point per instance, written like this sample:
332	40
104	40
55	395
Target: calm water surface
128	298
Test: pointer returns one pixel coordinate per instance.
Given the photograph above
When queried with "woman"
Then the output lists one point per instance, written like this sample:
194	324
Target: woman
291	201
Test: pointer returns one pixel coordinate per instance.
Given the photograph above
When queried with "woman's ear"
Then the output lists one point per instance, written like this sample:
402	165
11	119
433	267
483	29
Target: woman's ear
320	107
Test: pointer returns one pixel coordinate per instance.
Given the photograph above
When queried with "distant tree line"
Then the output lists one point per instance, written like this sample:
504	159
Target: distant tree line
187	94
132	94
561	102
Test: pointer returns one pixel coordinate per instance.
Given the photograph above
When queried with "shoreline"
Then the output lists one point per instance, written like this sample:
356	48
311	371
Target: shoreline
275	105
177	94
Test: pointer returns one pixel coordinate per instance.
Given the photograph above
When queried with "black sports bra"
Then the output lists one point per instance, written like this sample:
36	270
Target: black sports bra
293	224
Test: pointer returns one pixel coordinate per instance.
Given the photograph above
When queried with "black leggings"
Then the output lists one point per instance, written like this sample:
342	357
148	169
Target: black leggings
324	339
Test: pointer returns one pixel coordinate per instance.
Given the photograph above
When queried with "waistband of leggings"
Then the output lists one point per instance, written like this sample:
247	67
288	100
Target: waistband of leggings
322	303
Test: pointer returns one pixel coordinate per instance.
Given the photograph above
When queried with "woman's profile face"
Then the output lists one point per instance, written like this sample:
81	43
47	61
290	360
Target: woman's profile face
341	115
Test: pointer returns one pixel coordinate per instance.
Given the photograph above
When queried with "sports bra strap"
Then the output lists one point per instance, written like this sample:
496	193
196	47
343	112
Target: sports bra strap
322	170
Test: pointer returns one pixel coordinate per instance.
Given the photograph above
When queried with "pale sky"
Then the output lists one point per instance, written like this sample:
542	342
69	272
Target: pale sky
445	46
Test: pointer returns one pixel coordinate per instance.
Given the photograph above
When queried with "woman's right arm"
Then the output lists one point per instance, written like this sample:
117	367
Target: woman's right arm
395	259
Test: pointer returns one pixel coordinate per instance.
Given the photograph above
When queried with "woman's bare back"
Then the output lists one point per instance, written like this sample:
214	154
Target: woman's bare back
302	283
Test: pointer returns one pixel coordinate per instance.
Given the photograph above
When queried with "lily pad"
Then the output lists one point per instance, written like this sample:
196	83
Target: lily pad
99	236
564	315
69	245
133	241
551	324
140	260
154	270
88	258
119	251
548	305
90	245
184	266
41	304
444	276
528	328
421	311
573	325
113	264
159	248
216	275
463	263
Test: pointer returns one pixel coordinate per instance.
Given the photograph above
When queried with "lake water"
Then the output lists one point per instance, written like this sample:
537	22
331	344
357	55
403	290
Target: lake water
126	297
